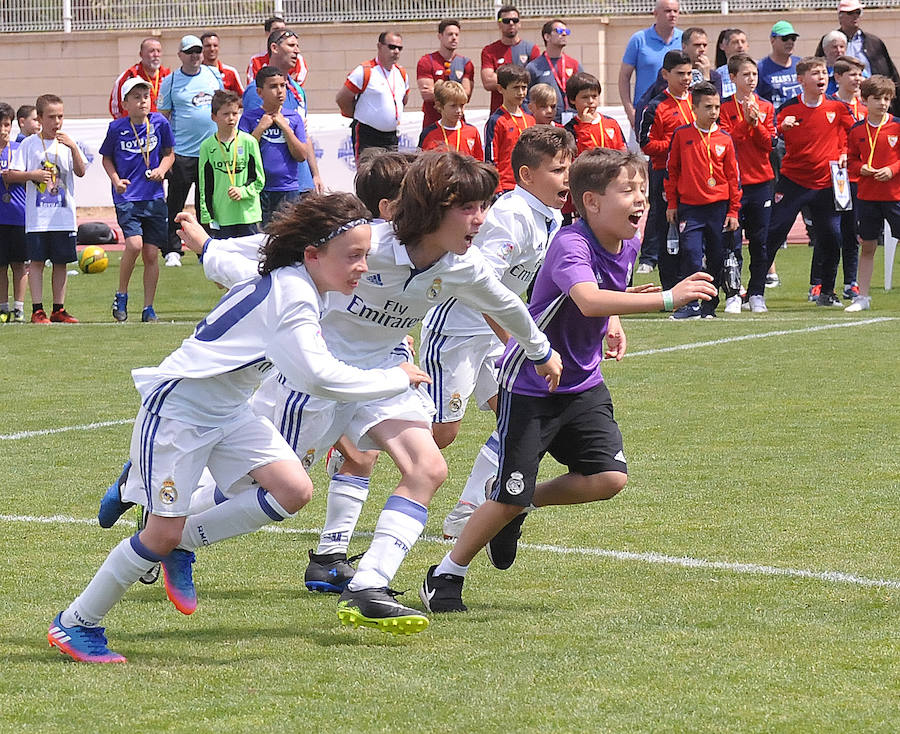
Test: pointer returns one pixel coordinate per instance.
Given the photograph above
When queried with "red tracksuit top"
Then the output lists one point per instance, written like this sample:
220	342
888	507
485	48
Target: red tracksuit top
604	132
887	153
501	133
661	118
464	139
688	169
752	143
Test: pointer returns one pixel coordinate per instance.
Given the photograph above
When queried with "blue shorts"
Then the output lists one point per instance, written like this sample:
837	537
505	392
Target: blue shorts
12	245
147	219
871	215
57	247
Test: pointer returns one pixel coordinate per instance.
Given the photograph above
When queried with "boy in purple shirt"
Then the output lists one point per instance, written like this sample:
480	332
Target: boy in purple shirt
579	291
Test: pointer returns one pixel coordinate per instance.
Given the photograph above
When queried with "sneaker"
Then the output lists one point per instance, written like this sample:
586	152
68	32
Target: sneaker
329	573
62	317
758	304
111	505
690	311
828	299
179	580
860	303
18	316
442	593
378	609
40	317
644	268
173	260
501	549
708	314
457	518
148	315
851	291
334	462
733	304
814	292
772	280
84	644
120	307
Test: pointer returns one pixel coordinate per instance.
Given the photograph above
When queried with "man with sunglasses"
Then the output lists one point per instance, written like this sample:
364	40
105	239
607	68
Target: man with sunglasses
297	72
554	67
510	49
373	95
185	98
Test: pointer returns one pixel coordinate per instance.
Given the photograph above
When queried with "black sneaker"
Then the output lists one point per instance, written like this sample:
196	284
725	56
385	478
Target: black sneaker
378	608
329	573
501	549
828	300
442	593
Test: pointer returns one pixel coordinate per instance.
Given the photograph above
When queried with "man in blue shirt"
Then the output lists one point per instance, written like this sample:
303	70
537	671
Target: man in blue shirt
185	98
644	54
778	71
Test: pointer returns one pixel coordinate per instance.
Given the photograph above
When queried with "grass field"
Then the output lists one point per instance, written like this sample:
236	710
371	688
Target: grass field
747	580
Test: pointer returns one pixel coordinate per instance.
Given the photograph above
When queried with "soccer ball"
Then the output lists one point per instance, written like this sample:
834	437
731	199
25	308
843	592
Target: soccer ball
93	259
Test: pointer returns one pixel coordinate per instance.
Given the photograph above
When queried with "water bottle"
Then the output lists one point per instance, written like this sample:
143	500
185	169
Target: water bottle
672	240
732	280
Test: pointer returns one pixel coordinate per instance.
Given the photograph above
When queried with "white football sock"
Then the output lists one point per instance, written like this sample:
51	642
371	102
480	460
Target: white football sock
485	466
124	565
346	496
206	495
246	513
399	526
448	566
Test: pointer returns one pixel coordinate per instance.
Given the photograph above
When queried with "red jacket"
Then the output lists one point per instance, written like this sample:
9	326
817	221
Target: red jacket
115	96
752	143
819	137
501	133
688	177
604	132
887	153
465	139
661	118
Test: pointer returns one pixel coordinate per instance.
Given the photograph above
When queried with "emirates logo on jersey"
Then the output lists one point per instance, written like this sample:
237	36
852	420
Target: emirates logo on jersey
892	140
829	116
720	149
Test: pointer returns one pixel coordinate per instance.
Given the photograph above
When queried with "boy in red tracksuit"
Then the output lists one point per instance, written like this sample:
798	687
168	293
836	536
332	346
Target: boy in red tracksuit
667	111
703	193
506	123
814	127
451	131
750	120
589	127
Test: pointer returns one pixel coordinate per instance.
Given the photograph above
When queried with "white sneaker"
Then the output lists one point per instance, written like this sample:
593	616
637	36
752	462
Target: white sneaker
457	519
860	303
644	268
758	304
173	260
733	304
772	280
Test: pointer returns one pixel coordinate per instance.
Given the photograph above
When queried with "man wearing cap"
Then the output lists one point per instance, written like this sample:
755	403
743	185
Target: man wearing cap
443	65
778	71
230	78
297	72
149	68
509	49
185	98
867	47
373	95
554	67
644	54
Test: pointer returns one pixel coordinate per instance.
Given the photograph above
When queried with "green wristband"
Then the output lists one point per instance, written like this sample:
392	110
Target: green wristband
668	301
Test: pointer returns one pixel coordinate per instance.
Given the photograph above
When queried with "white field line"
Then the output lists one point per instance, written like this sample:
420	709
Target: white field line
834	577
64	429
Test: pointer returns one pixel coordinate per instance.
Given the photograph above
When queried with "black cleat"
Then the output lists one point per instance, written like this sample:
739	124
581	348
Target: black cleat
329	573
379	609
501	549
442	593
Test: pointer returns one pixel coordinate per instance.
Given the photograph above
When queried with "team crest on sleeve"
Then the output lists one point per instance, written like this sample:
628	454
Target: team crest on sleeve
168	495
892	140
515	484
434	290
829	116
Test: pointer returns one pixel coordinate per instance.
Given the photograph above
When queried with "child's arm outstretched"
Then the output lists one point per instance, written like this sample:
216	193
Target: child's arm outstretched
594	301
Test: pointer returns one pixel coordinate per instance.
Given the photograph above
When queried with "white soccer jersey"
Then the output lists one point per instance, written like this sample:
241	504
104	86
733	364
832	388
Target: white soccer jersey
513	240
269	320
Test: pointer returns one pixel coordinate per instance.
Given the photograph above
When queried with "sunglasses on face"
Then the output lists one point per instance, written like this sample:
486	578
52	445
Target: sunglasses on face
192	51
509	21
393	47
562	31
286	34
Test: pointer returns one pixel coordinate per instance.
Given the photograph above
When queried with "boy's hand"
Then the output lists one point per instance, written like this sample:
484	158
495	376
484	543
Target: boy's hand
842	160
280	120
122	184
551	370
751	110
789	122
867	170
672	216
234	193
41	176
884	174
731	224
703	65
696	286
66	139
155	176
645	288
411	343
192	235
416	376
616	343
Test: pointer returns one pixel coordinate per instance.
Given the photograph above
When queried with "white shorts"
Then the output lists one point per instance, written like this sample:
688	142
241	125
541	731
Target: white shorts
168	457
460	367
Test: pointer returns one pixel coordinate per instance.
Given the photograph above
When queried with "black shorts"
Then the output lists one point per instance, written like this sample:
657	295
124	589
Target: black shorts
57	247
871	216
12	244
576	429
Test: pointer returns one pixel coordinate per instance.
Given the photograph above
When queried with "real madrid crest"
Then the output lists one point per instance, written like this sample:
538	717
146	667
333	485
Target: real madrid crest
434	290
455	403
308	459
168	495
516	483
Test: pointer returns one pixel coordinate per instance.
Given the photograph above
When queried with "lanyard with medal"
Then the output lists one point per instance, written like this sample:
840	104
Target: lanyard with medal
458	131
711	181
681	111
145	154
602	143
232	169
6	197
53	167
873	141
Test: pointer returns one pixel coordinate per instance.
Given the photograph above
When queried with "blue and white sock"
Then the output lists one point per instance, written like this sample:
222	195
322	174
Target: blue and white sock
346	496
486	465
124	565
448	566
246	513
399	526
206	495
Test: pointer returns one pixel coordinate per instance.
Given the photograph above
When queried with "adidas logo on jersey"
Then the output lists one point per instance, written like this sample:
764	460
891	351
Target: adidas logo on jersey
374	278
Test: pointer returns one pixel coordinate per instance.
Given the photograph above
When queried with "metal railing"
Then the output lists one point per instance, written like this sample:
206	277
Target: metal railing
20	16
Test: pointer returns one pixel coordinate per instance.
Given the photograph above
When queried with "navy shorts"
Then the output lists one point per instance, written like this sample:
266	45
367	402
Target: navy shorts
576	429
871	215
12	244
146	219
57	247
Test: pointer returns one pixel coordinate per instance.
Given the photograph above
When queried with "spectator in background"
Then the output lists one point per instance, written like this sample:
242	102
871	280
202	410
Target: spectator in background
509	49
297	72
230	78
185	98
778	71
732	41
443	65
374	94
834	44
27	119
149	68
644	55
554	67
